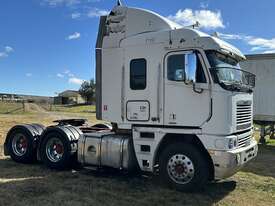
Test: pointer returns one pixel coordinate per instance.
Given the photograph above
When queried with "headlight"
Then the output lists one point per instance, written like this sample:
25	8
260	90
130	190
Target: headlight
232	142
226	143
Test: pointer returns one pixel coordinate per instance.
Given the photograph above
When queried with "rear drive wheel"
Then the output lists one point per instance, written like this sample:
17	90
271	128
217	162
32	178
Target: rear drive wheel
56	151
20	146
183	167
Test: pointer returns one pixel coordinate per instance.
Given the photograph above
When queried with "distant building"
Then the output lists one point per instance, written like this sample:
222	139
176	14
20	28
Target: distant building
25	98
8	97
69	97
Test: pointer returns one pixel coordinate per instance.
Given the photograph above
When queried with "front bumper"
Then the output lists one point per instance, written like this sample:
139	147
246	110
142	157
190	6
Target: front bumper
227	163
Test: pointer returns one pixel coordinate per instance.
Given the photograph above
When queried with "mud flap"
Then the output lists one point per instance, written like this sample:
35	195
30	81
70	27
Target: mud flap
6	151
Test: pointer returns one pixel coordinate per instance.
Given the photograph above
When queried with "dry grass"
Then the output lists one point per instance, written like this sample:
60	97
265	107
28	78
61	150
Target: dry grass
74	109
46	118
37	185
11	107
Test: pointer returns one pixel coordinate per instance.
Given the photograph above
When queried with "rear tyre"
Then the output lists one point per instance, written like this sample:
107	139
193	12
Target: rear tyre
55	151
183	167
20	146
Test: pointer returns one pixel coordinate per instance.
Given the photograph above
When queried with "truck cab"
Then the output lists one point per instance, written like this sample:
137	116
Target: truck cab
174	83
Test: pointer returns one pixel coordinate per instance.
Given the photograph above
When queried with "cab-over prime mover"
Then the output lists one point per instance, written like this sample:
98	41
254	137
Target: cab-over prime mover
178	102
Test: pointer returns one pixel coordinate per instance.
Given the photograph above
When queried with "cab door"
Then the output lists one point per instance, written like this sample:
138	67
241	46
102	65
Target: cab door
142	74
186	103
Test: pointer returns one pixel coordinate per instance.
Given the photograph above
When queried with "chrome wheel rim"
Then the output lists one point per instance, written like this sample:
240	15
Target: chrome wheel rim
54	149
180	169
19	144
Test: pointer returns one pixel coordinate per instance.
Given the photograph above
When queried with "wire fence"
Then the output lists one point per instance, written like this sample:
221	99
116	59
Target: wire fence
10	107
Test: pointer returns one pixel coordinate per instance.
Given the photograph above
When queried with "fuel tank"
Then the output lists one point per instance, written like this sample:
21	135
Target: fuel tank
107	149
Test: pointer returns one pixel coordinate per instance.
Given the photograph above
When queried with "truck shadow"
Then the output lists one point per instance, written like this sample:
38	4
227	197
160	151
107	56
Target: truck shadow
37	184
149	185
263	164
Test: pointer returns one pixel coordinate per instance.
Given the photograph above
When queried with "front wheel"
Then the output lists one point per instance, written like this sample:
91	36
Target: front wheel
183	167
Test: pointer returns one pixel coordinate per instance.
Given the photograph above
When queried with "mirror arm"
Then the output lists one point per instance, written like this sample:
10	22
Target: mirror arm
195	90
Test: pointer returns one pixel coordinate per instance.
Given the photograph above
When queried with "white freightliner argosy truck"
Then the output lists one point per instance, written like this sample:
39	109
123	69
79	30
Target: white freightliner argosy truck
179	105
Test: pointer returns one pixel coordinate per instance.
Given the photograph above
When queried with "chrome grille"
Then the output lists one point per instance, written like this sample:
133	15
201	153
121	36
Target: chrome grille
244	115
244	141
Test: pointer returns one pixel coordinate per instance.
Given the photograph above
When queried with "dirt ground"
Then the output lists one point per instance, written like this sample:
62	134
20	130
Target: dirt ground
36	185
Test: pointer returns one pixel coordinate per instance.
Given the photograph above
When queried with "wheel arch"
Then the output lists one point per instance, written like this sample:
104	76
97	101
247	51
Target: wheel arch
71	133
171	138
33	130
33	133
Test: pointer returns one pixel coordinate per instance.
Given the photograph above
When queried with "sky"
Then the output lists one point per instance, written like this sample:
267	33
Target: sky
47	46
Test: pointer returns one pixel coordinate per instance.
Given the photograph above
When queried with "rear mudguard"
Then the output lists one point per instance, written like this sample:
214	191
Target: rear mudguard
71	133
34	130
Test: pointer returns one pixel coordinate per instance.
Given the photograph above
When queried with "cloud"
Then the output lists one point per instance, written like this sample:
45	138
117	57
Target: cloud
3	55
204	5
90	13
75	80
56	3
80	8
257	44
68	3
72	79
76	15
73	36
60	75
231	36
9	49
28	74
269	52
96	12
68	73
260	44
207	19
65	74
6	52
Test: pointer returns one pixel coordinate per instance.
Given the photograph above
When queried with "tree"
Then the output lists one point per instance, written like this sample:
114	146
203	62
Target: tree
87	90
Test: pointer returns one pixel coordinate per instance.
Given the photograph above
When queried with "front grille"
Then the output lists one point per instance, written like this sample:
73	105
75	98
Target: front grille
244	115
244	141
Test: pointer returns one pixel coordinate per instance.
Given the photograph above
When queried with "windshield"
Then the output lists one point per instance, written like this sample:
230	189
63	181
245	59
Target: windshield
227	72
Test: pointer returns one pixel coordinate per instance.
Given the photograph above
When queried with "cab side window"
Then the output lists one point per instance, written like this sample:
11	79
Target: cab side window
138	74
176	68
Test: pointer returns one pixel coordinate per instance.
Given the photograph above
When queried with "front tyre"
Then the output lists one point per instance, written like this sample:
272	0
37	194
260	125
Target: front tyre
183	167
55	151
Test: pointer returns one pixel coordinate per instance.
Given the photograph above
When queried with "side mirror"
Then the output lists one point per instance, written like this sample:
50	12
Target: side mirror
190	68
179	75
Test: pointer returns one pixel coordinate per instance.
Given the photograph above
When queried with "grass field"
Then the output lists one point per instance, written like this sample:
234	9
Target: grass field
36	114
36	185
74	109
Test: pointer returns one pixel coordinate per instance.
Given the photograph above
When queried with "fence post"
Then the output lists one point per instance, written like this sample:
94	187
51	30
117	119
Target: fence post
23	103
